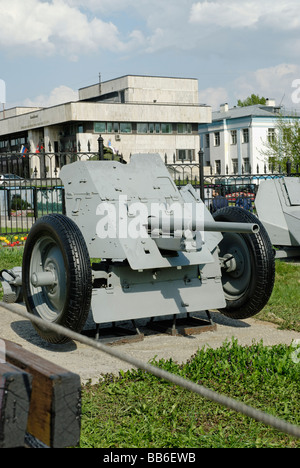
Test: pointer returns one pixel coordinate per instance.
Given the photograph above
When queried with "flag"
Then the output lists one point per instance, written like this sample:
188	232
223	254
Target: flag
39	148
23	150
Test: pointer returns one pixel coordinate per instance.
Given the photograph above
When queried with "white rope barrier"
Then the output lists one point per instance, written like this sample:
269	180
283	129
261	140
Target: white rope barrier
228	402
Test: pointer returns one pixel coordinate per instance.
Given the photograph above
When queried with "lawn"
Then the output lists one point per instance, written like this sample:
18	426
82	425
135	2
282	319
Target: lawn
283	307
137	410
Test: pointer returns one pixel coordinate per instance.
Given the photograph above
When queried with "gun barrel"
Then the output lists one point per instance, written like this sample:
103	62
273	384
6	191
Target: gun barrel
241	228
170	224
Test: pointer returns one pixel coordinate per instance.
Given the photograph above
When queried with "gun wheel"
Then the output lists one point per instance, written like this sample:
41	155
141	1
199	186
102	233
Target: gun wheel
57	277
248	266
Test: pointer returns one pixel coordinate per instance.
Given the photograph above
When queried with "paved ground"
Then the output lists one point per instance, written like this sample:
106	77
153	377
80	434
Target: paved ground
89	363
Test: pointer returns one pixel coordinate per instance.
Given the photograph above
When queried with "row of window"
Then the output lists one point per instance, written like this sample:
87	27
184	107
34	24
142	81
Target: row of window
150	128
233	137
246	164
13	142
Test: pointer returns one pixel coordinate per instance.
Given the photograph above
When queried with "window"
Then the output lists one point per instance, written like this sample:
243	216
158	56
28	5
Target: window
247	165
142	128
271	135
207	140
235	166
233	137
166	128
151	128
185	154
154	128
218	166
217	138
99	127
184	128
125	127
245	135
157	128
112	127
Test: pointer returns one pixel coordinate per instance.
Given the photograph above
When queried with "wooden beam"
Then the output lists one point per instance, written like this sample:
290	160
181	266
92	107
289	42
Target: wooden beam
55	408
15	391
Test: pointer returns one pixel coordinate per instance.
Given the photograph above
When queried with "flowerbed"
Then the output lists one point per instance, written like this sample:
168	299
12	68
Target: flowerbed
13	241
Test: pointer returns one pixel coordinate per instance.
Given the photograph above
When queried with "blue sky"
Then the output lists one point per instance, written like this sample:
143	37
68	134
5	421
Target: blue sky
50	49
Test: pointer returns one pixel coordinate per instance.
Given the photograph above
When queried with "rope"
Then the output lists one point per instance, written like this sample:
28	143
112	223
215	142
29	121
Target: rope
228	402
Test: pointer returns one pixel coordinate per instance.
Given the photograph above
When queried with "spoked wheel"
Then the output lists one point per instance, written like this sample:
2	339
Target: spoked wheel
57	277
248	266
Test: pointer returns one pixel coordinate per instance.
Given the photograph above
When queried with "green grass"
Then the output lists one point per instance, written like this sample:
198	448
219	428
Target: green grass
283	307
11	257
137	410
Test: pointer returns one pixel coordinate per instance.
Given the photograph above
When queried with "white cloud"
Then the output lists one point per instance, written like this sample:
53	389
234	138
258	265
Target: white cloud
213	97
272	82
56	27
162	24
282	14
59	95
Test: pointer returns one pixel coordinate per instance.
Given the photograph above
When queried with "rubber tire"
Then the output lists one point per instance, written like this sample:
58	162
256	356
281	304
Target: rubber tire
262	266
68	241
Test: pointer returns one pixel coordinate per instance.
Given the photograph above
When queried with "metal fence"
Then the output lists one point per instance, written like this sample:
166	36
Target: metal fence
30	186
241	189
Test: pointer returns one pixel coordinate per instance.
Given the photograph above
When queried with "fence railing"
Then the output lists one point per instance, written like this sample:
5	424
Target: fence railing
30	186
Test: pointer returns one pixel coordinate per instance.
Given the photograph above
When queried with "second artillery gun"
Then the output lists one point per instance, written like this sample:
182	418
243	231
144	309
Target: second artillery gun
131	245
278	207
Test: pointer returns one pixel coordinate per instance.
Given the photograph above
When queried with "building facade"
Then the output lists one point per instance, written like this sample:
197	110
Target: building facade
133	114
233	142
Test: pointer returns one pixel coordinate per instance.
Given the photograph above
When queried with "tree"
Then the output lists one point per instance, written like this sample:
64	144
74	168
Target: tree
284	143
252	100
17	203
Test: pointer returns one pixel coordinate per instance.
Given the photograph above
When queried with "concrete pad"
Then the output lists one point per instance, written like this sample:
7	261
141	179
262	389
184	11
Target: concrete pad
90	363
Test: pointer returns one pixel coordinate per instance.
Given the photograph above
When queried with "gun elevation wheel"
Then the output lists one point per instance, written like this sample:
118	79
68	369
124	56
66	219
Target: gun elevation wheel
248	266
57	277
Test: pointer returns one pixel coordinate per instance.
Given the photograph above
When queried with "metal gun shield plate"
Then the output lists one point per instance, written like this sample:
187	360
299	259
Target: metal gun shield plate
156	248
278	207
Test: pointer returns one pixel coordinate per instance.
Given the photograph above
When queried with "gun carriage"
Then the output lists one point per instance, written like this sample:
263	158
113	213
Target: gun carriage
132	245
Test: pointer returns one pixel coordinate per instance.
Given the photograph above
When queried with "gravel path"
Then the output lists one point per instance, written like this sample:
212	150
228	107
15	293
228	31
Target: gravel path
90	364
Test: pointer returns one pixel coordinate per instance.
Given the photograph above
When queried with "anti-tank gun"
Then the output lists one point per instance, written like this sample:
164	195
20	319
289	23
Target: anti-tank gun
156	251
278	207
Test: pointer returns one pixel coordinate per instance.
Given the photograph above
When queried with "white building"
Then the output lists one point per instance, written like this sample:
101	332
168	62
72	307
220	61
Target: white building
234	140
133	114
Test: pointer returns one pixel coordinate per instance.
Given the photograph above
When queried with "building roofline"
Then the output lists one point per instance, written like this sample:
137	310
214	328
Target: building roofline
86	103
257	110
139	76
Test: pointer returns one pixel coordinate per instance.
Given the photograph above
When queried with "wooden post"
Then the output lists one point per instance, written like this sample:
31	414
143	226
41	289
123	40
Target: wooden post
15	391
54	416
